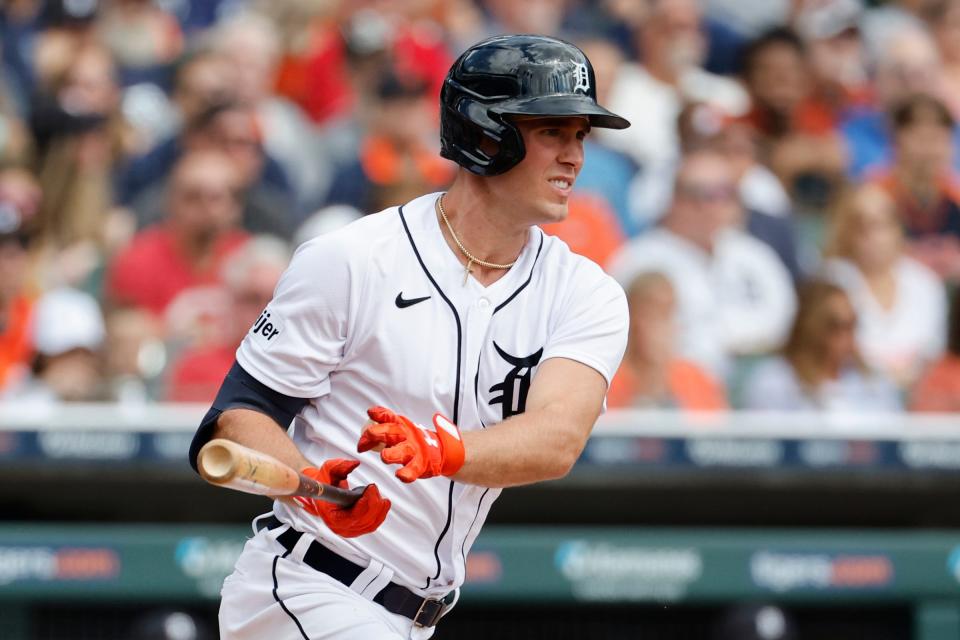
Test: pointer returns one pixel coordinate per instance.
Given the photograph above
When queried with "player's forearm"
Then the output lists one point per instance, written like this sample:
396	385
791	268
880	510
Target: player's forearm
258	431
524	449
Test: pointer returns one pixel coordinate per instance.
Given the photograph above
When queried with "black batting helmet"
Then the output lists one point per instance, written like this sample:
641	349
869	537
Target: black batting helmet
513	75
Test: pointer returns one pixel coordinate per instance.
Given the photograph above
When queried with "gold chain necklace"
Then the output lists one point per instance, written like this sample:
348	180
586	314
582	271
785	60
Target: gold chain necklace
471	259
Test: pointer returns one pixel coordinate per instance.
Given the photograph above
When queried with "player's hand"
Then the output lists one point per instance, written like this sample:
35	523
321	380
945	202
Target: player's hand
422	452
366	514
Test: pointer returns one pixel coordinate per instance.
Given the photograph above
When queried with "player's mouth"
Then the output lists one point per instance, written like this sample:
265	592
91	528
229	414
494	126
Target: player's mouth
563	185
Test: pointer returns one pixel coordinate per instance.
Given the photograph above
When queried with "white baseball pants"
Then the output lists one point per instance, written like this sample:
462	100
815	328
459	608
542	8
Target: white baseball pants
272	597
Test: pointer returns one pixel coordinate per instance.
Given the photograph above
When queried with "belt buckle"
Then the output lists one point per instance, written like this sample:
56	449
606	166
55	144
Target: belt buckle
431	615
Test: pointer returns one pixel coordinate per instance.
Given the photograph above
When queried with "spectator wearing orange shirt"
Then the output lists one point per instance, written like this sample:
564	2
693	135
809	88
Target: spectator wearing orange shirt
188	248
651	374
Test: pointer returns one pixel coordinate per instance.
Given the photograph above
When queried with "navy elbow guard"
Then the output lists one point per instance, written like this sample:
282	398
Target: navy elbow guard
240	390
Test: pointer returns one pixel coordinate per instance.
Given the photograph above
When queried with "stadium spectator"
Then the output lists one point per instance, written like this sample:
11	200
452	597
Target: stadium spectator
199	78
68	334
268	204
938	390
924	184
81	139
766	211
672	47
701	125
203	81
202	78
399	155
906	64
250	44
735	296
796	131
901	304
249	277
651	375
187	248
820	368
16	297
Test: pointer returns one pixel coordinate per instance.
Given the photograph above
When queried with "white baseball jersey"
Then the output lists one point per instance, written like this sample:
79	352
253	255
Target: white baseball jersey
377	313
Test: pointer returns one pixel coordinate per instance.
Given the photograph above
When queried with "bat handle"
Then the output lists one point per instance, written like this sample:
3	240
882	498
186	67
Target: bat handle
342	497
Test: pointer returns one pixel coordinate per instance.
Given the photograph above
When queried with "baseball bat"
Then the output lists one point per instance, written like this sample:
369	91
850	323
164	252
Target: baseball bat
225	463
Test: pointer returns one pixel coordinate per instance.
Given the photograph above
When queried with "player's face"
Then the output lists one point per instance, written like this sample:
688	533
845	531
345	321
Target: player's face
540	186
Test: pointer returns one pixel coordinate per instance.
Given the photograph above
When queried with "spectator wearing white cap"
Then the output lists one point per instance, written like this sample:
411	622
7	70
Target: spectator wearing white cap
68	334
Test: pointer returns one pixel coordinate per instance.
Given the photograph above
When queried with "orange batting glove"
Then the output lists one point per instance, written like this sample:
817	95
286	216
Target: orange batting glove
364	516
422	452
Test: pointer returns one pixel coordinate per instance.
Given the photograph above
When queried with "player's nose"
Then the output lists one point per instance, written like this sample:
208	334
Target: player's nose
572	153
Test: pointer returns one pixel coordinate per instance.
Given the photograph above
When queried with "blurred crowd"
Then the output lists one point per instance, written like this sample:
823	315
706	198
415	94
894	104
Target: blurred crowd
784	213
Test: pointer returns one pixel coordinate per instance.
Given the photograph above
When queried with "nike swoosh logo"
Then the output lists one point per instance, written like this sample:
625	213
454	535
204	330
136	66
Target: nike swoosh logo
403	304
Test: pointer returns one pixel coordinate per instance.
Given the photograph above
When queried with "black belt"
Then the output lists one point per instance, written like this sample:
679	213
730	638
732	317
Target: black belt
425	612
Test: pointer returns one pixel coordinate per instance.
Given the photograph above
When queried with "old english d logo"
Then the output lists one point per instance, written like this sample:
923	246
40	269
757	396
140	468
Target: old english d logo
581	78
514	388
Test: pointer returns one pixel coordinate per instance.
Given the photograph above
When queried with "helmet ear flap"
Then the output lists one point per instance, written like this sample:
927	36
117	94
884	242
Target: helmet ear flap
511	148
482	142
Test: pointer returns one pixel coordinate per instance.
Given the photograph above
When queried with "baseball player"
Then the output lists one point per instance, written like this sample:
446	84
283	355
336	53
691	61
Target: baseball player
437	352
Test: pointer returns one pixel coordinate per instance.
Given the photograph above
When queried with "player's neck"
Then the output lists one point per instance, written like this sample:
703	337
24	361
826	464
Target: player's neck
484	231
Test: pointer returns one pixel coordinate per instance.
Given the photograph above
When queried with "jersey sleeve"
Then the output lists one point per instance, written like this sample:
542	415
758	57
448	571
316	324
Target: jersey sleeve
299	337
592	325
